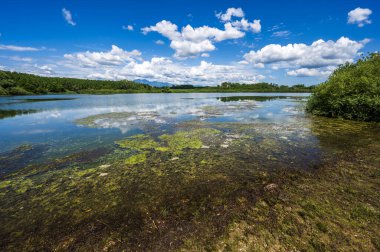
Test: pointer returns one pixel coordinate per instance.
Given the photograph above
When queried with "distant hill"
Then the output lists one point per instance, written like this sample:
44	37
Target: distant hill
154	83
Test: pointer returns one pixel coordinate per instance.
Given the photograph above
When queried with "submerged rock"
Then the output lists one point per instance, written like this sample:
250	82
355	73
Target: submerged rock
271	187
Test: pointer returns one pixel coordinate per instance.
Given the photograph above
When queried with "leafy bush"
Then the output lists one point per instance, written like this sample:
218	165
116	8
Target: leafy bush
351	92
7	83
18	91
3	91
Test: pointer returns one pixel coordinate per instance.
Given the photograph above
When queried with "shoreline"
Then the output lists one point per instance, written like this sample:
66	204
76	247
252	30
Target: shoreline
182	91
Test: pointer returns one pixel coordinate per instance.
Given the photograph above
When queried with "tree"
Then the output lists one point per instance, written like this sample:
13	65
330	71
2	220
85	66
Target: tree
352	91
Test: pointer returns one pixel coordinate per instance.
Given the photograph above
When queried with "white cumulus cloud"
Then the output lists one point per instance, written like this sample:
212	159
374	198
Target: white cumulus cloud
68	17
359	16
316	59
193	41
310	72
243	23
320	53
231	12
254	26
186	48
116	56
122	65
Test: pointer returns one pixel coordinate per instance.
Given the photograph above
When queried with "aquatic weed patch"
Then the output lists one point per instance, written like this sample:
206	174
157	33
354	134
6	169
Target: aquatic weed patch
202	186
174	144
14	160
325	211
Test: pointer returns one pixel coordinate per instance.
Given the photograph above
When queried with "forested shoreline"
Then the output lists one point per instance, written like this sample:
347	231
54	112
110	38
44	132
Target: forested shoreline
14	83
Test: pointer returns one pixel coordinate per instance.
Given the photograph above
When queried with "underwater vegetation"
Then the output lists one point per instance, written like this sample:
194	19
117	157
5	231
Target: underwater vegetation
310	184
20	157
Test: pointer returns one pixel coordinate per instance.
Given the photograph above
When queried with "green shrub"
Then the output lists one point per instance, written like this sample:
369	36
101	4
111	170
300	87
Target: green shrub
18	91
7	83
3	91
351	92
3	75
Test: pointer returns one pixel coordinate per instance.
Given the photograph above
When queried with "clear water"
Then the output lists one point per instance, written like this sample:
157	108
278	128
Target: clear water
53	121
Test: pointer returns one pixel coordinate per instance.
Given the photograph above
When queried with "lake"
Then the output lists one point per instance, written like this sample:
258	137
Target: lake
156	171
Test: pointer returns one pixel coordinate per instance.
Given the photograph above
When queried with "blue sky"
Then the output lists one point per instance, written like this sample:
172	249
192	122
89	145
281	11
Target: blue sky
182	42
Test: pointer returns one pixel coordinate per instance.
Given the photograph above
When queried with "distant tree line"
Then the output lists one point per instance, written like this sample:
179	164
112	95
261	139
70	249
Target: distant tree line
184	87
13	83
240	87
265	87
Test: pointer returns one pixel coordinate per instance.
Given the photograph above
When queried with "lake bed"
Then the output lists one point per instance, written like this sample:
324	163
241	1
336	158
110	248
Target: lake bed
171	171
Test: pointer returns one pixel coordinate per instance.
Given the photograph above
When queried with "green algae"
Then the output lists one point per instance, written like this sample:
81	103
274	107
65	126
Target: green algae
23	185
178	142
183	191
4	184
174	144
85	172
136	159
138	142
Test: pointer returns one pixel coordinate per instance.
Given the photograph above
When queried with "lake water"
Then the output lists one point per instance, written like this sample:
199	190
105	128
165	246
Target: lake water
90	169
51	119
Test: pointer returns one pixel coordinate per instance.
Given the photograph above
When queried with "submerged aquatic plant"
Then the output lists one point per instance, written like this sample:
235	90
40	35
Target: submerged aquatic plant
182	140
138	142
174	144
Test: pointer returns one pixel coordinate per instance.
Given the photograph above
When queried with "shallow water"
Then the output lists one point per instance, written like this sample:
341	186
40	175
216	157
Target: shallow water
51	119
128	168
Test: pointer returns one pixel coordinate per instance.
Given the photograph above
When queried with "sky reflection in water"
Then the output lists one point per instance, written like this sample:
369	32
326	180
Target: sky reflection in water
53	121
